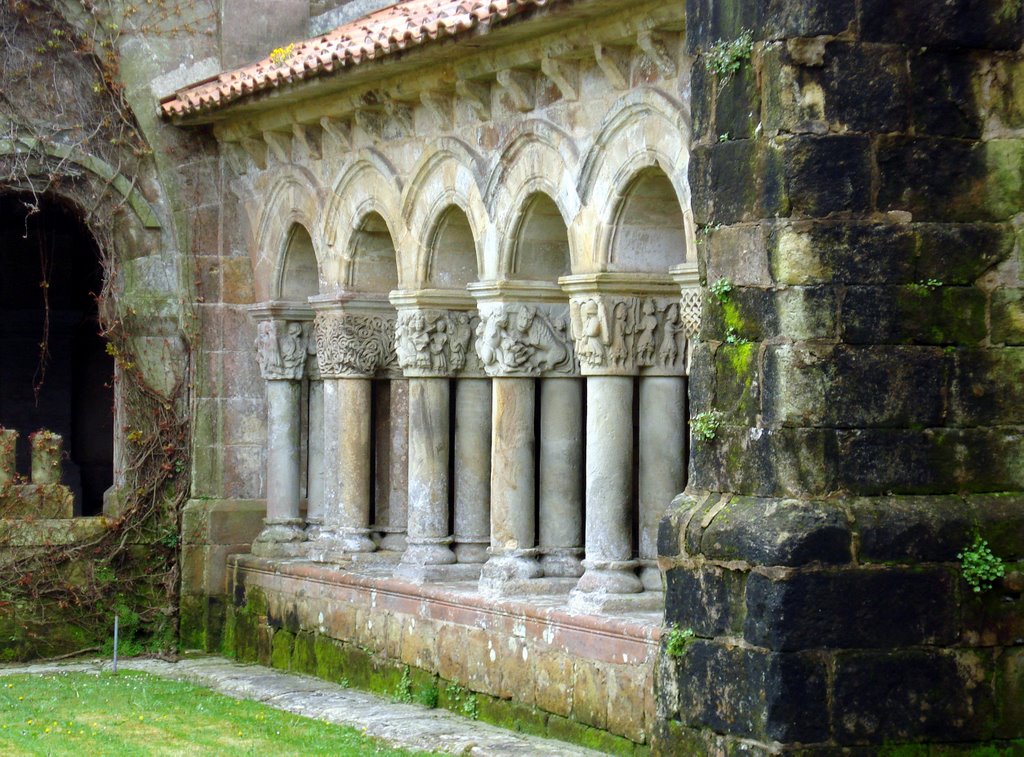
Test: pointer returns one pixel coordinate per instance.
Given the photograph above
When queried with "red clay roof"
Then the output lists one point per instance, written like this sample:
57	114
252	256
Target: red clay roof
397	27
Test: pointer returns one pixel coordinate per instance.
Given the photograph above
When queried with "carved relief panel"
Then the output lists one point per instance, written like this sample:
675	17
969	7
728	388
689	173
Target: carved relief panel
350	345
281	350
435	342
524	340
625	335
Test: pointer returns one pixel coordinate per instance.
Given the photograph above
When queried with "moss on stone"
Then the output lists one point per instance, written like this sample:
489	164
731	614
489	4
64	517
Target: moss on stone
304	653
281	649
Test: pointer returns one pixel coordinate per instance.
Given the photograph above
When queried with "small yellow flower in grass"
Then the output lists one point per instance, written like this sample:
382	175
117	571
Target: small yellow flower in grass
46	730
30	721
141	717
21	699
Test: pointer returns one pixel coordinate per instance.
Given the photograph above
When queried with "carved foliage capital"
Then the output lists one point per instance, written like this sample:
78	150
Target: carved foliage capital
524	340
281	350
628	334
353	345
435	342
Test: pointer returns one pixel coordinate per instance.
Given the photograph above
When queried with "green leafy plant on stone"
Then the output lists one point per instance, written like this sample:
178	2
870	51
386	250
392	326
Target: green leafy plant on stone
677	640
725	57
721	289
979	566
464	701
704	426
723	137
733	337
403	689
922	288
428	696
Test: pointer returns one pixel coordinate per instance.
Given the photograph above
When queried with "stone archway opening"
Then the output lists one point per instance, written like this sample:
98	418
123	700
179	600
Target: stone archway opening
452	259
55	372
541	250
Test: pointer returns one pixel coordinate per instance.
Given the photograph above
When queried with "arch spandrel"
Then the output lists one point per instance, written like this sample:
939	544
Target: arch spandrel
646	130
445	177
538	159
293	199
368	185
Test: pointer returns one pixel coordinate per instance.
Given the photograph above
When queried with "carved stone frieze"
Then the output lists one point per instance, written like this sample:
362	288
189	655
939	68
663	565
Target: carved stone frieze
434	342
524	340
689	311
627	334
281	350
350	345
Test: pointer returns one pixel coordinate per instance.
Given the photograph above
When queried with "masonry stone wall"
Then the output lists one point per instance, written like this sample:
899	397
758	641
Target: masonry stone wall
858	183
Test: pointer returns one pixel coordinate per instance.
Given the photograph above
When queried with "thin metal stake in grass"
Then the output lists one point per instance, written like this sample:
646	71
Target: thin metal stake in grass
115	643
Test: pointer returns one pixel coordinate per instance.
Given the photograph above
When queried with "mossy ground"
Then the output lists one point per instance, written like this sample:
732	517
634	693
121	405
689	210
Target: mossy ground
134	713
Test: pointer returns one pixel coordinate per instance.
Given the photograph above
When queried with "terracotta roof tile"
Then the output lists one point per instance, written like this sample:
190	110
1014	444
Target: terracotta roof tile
397	27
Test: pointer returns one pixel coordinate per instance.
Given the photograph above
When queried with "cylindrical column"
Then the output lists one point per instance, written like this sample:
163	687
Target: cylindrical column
472	469
609	550
315	461
283	529
561	480
8	454
662	463
397	494
428	536
346	515
513	528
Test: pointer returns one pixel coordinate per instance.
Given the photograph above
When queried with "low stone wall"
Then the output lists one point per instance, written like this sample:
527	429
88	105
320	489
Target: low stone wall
526	664
821	627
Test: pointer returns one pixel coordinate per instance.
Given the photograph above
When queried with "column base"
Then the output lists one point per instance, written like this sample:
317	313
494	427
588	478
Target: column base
507	573
562	562
313	530
609	577
472	550
595	603
428	552
340	545
651	576
392	540
281	539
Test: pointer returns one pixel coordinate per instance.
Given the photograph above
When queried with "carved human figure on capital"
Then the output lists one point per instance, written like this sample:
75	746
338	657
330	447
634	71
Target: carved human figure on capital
590	330
280	356
523	339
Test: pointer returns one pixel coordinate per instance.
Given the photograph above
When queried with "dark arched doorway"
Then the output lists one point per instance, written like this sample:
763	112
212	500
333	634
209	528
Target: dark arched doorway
55	372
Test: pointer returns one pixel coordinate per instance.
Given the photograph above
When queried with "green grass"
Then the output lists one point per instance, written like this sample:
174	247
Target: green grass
134	713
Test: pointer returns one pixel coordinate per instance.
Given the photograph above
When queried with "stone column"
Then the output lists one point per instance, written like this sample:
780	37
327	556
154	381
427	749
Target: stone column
315	450
8	453
561	463
472	469
281	351
662	468
513	553
393	529
354	340
431	343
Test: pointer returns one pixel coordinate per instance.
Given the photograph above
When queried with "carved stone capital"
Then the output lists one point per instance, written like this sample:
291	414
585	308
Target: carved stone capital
312	362
523	339
281	349
350	345
628	334
432	342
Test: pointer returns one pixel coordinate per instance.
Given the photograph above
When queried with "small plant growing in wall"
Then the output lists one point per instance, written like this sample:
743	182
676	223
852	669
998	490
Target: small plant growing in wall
721	289
705	425
979	566
280	55
725	57
677	640
403	689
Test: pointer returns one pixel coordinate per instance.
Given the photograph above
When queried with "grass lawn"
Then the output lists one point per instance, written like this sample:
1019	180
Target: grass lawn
134	713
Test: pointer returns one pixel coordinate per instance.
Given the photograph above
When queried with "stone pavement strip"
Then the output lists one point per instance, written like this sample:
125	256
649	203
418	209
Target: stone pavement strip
409	726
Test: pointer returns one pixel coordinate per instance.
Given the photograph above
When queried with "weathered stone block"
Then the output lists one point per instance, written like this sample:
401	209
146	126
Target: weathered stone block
789	533
986	24
1007	96
986	387
589	695
993	617
911	529
886	461
554	682
737	181
919	313
1009	688
864	608
738	253
707	599
738	105
1000	519
1008	316
912	695
747	313
828	174
945	96
737	389
770	695
960	253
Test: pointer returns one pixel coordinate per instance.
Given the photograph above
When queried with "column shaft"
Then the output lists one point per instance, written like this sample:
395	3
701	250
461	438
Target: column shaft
662	462
397	493
283	531
472	469
561	476
315	460
513	476
428	534
346	515
609	550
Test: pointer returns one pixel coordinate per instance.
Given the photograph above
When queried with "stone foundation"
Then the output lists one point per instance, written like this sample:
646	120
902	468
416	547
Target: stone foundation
526	664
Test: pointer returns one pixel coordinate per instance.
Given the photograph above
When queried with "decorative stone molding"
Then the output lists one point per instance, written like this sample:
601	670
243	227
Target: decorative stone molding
312	362
524	339
688	280
350	345
620	329
435	342
281	350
